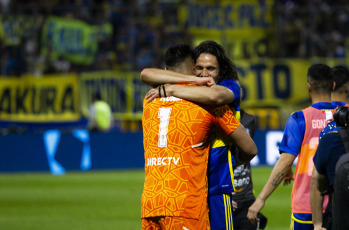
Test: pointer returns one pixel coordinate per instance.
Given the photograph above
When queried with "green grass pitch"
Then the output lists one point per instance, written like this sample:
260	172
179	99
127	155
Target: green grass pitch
99	200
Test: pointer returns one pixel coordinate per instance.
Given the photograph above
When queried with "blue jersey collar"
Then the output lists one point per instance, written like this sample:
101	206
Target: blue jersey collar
323	105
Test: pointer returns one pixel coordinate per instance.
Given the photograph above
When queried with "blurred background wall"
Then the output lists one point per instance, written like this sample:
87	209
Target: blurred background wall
55	54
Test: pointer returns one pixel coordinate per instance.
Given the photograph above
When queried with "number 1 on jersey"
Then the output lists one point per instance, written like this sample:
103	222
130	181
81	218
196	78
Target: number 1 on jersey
164	115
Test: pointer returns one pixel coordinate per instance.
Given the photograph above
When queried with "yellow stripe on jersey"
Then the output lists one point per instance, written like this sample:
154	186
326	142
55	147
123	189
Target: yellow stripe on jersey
301	221
225	208
231	168
237	115
218	143
228	212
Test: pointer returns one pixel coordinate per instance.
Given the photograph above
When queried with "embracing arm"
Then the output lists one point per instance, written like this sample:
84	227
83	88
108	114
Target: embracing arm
214	95
278	173
154	77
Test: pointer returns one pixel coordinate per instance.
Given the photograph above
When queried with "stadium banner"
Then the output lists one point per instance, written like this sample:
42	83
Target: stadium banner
14	27
241	26
236	18
273	89
49	99
74	40
123	91
273	82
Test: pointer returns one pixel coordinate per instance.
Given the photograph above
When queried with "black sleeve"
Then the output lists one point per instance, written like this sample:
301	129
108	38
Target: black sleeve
321	154
249	122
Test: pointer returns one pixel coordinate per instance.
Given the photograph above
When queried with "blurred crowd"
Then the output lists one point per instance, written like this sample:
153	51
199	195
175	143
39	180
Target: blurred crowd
312	28
143	29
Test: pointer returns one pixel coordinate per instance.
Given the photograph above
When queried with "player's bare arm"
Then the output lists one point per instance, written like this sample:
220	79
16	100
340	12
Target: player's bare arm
277	175
247	148
154	77
321	181
277	179
214	95
316	201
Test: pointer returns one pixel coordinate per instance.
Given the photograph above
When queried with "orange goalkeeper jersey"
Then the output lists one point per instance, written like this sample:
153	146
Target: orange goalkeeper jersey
176	144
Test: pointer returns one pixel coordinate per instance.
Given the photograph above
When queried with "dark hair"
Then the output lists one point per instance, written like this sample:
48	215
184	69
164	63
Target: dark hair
176	54
319	77
340	75
227	69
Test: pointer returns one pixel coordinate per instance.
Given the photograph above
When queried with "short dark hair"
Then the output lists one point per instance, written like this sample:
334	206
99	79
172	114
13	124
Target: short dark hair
176	54
340	75
227	70
319	77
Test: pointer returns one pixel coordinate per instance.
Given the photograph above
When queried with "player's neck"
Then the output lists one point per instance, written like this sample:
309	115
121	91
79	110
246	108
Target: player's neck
339	97
320	98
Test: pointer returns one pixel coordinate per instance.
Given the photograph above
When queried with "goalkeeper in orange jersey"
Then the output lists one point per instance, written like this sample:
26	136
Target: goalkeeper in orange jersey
210	62
176	153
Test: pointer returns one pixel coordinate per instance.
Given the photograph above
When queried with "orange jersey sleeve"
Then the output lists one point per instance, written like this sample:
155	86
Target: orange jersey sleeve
225	119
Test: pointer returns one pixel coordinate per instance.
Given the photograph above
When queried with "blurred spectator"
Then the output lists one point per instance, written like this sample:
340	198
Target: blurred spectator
5	6
100	114
15	63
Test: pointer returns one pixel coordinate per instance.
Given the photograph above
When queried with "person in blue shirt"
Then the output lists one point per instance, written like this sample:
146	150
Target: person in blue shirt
340	77
339	96
300	140
211	62
331	148
327	154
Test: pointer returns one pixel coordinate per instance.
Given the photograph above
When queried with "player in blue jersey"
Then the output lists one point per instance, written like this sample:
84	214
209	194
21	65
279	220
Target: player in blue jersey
331	148
300	139
340	76
210	61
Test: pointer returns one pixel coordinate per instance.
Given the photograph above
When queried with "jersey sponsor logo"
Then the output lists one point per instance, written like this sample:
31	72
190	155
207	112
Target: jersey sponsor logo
162	161
318	124
172	98
241	182
240	170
